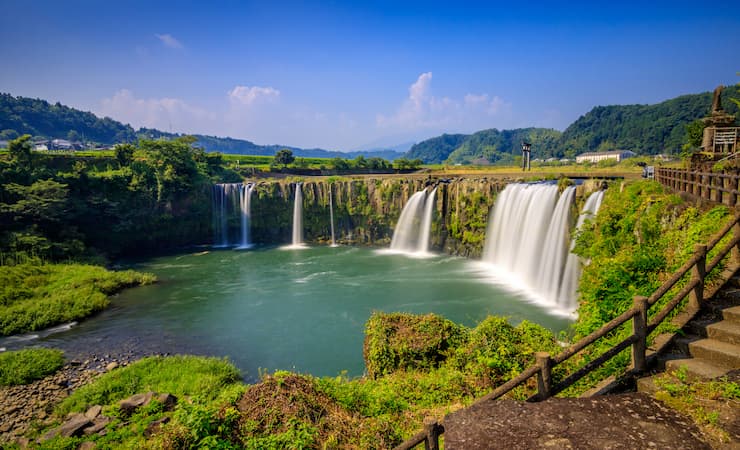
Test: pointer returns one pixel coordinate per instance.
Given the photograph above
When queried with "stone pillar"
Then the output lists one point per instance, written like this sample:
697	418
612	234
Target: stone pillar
707	140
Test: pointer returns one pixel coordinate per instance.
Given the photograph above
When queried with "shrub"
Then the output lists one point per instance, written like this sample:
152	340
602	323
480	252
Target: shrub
405	341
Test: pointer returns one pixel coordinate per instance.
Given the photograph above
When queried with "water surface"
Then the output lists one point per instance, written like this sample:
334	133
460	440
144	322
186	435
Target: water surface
302	310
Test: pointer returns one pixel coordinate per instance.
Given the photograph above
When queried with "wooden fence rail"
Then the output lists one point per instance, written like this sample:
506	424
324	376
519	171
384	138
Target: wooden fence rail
716	187
693	286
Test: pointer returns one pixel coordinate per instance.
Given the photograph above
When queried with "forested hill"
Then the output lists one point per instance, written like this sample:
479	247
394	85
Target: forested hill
41	119
484	147
643	129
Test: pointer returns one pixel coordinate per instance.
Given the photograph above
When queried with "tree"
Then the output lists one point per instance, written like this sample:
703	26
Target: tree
694	134
284	157
124	154
20	151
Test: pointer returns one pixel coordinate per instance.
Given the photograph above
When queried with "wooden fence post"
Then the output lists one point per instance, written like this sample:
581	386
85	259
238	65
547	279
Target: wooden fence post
431	427
544	376
735	233
698	272
639	331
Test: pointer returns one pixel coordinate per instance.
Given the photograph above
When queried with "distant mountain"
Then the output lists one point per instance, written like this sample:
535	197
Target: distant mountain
39	118
643	129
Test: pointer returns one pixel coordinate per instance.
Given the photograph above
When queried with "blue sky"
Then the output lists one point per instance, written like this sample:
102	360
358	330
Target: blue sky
343	75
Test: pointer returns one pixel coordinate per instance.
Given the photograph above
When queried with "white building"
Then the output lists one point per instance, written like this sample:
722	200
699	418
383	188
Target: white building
619	155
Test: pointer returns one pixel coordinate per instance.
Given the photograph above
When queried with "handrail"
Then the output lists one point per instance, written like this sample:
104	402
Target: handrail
641	329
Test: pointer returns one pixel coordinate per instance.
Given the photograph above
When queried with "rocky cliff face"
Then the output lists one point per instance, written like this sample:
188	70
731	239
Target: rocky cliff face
366	210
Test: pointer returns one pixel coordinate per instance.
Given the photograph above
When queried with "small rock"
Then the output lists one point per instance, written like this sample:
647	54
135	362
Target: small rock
110	366
168	401
131	404
74	425
155	426
98	424
93	412
87	445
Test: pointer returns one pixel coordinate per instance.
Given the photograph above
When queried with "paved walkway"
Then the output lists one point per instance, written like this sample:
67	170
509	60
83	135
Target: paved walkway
623	421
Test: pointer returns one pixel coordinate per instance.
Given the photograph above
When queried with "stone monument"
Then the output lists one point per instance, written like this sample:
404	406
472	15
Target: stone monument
718	118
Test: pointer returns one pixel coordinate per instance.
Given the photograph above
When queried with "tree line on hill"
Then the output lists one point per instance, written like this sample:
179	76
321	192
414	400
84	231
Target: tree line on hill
43	120
643	129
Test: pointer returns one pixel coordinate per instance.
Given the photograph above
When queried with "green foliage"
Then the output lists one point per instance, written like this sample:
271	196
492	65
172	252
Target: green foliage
25	366
206	378
406	164
639	237
284	157
35	296
124	154
400	340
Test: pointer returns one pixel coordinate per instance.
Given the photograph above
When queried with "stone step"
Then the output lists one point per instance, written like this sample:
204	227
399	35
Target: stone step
646	385
725	331
696	369
732	314
716	352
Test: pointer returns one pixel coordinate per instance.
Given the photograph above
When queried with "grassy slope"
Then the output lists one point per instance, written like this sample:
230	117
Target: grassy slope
34	296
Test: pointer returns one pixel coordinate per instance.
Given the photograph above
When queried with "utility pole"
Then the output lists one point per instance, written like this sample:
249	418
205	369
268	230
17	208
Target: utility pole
526	151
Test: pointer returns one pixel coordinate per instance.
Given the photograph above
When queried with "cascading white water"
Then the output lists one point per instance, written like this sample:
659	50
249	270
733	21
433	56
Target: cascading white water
572	273
412	231
245	195
556	247
227	199
426	223
527	237
331	217
224	193
298	216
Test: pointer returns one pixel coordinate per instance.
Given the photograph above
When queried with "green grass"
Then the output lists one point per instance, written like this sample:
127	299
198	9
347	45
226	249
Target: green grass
34	296
25	366
207	378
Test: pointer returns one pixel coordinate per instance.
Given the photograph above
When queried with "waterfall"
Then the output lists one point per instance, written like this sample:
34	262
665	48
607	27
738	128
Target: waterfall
527	238
331	217
426	223
225	198
412	231
298	216
567	295
245	195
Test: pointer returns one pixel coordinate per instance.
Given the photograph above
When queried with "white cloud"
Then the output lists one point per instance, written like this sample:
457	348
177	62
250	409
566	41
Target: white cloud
246	95
161	113
169	41
422	110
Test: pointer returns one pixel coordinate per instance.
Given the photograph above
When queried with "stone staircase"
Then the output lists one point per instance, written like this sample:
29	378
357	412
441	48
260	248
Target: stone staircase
710	345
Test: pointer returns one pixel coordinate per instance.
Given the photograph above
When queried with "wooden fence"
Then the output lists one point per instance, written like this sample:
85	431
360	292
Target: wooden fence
642	327
715	187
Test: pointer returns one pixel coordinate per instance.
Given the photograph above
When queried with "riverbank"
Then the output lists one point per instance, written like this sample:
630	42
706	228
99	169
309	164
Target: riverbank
31	406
